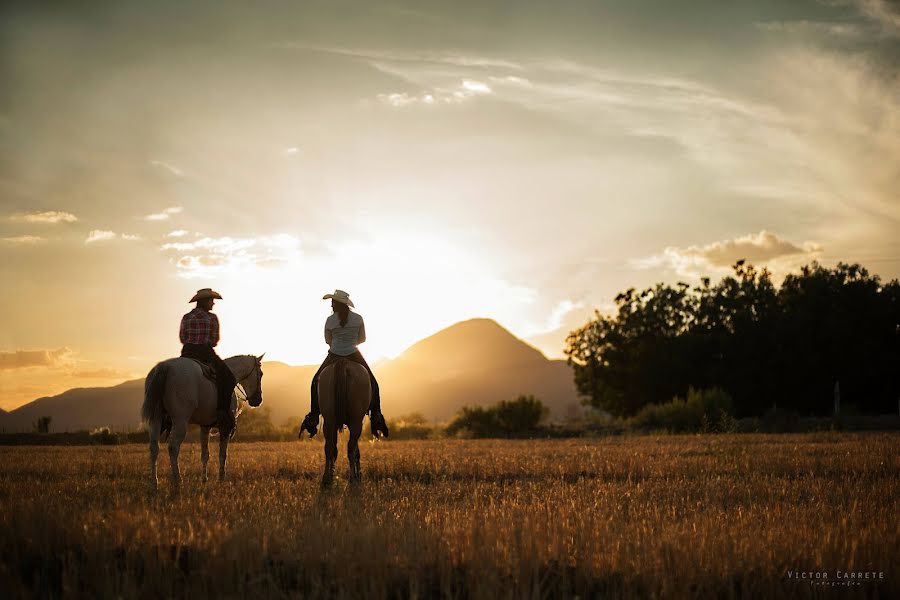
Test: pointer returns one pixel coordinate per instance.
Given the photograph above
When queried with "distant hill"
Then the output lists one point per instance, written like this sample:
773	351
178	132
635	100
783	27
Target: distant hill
81	408
475	362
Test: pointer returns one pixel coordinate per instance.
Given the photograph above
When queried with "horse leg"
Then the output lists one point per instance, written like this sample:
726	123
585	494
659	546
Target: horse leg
331	453
204	453
179	430
223	454
353	454
155	426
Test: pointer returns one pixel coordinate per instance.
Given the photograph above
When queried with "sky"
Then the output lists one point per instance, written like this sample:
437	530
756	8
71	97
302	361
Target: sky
521	161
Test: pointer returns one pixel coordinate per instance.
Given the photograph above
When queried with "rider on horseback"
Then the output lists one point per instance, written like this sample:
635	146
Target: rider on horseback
344	329
199	333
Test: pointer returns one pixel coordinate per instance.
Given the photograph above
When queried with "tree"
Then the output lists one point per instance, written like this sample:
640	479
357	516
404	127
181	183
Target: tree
42	425
763	345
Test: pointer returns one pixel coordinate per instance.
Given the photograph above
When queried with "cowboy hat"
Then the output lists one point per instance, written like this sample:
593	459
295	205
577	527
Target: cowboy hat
340	296
204	294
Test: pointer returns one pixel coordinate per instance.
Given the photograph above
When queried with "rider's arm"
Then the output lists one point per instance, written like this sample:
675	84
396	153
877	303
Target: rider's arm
362	333
183	330
214	331
328	336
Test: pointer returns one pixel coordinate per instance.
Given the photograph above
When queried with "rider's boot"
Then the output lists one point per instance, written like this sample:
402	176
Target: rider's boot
378	424
226	423
310	424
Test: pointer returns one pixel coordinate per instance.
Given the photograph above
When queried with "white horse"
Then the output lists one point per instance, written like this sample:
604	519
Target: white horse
177	393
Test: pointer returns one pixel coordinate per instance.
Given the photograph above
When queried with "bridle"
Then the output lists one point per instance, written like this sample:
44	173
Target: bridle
257	368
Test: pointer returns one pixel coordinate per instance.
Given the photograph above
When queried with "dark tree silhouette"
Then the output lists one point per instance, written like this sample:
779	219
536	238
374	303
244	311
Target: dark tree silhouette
763	345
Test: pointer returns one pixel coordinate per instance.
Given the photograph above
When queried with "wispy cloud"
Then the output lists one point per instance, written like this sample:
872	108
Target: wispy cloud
763	249
104	235
101	373
883	12
465	90
47	216
208	255
812	27
167	167
433	57
177	233
21	359
22	240
165	214
554	320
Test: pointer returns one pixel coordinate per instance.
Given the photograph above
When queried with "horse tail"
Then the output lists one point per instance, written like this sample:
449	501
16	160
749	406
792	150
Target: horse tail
154	390
341	387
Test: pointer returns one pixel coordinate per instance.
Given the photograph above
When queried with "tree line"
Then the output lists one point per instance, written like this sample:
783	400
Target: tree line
766	346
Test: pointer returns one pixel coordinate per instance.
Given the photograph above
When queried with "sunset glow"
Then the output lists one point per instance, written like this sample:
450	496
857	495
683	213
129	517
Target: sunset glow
436	168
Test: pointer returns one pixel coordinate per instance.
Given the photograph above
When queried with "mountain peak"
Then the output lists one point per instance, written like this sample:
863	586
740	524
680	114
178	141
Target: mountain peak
473	344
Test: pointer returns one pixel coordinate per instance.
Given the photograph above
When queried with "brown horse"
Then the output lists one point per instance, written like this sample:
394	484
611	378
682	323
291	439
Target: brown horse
344	396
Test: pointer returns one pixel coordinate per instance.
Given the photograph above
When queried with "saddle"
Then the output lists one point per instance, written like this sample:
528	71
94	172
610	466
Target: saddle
208	371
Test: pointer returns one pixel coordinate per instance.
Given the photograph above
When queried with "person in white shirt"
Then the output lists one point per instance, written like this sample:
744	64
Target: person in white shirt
344	331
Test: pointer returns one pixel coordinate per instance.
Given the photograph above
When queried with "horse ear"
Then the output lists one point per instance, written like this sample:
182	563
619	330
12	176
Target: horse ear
260	357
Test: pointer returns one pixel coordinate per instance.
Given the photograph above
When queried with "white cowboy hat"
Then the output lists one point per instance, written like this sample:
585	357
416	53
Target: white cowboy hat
340	296
204	294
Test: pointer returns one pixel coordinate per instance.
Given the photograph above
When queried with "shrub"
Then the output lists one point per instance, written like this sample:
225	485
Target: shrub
256	421
412	427
509	417
104	436
703	410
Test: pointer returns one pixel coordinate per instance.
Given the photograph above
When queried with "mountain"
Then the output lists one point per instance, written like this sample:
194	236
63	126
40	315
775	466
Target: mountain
81	408
475	362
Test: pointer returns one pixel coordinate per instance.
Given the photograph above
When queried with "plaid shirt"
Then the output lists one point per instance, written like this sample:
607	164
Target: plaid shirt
199	327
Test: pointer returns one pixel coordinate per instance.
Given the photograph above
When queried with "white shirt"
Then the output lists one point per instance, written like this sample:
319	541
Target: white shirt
343	340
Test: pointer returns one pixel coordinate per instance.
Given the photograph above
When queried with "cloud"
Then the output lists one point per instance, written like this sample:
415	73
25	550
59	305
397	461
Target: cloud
812	27
207	256
103	235
165	214
177	233
465	90
510	80
47	216
99	235
21	359
21	240
102	373
168	167
554	320
476	87
427	57
882	12
763	249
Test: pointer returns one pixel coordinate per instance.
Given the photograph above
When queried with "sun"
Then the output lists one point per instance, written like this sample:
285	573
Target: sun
407	283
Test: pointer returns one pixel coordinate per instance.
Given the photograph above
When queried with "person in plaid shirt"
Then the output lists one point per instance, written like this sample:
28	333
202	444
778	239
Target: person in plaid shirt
199	334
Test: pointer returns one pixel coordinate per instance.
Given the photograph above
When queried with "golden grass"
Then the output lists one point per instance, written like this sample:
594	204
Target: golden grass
642	516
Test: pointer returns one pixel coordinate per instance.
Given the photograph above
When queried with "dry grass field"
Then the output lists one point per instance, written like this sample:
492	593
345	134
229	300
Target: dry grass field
631	516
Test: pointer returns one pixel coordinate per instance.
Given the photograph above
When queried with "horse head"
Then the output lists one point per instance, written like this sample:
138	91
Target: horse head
252	383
